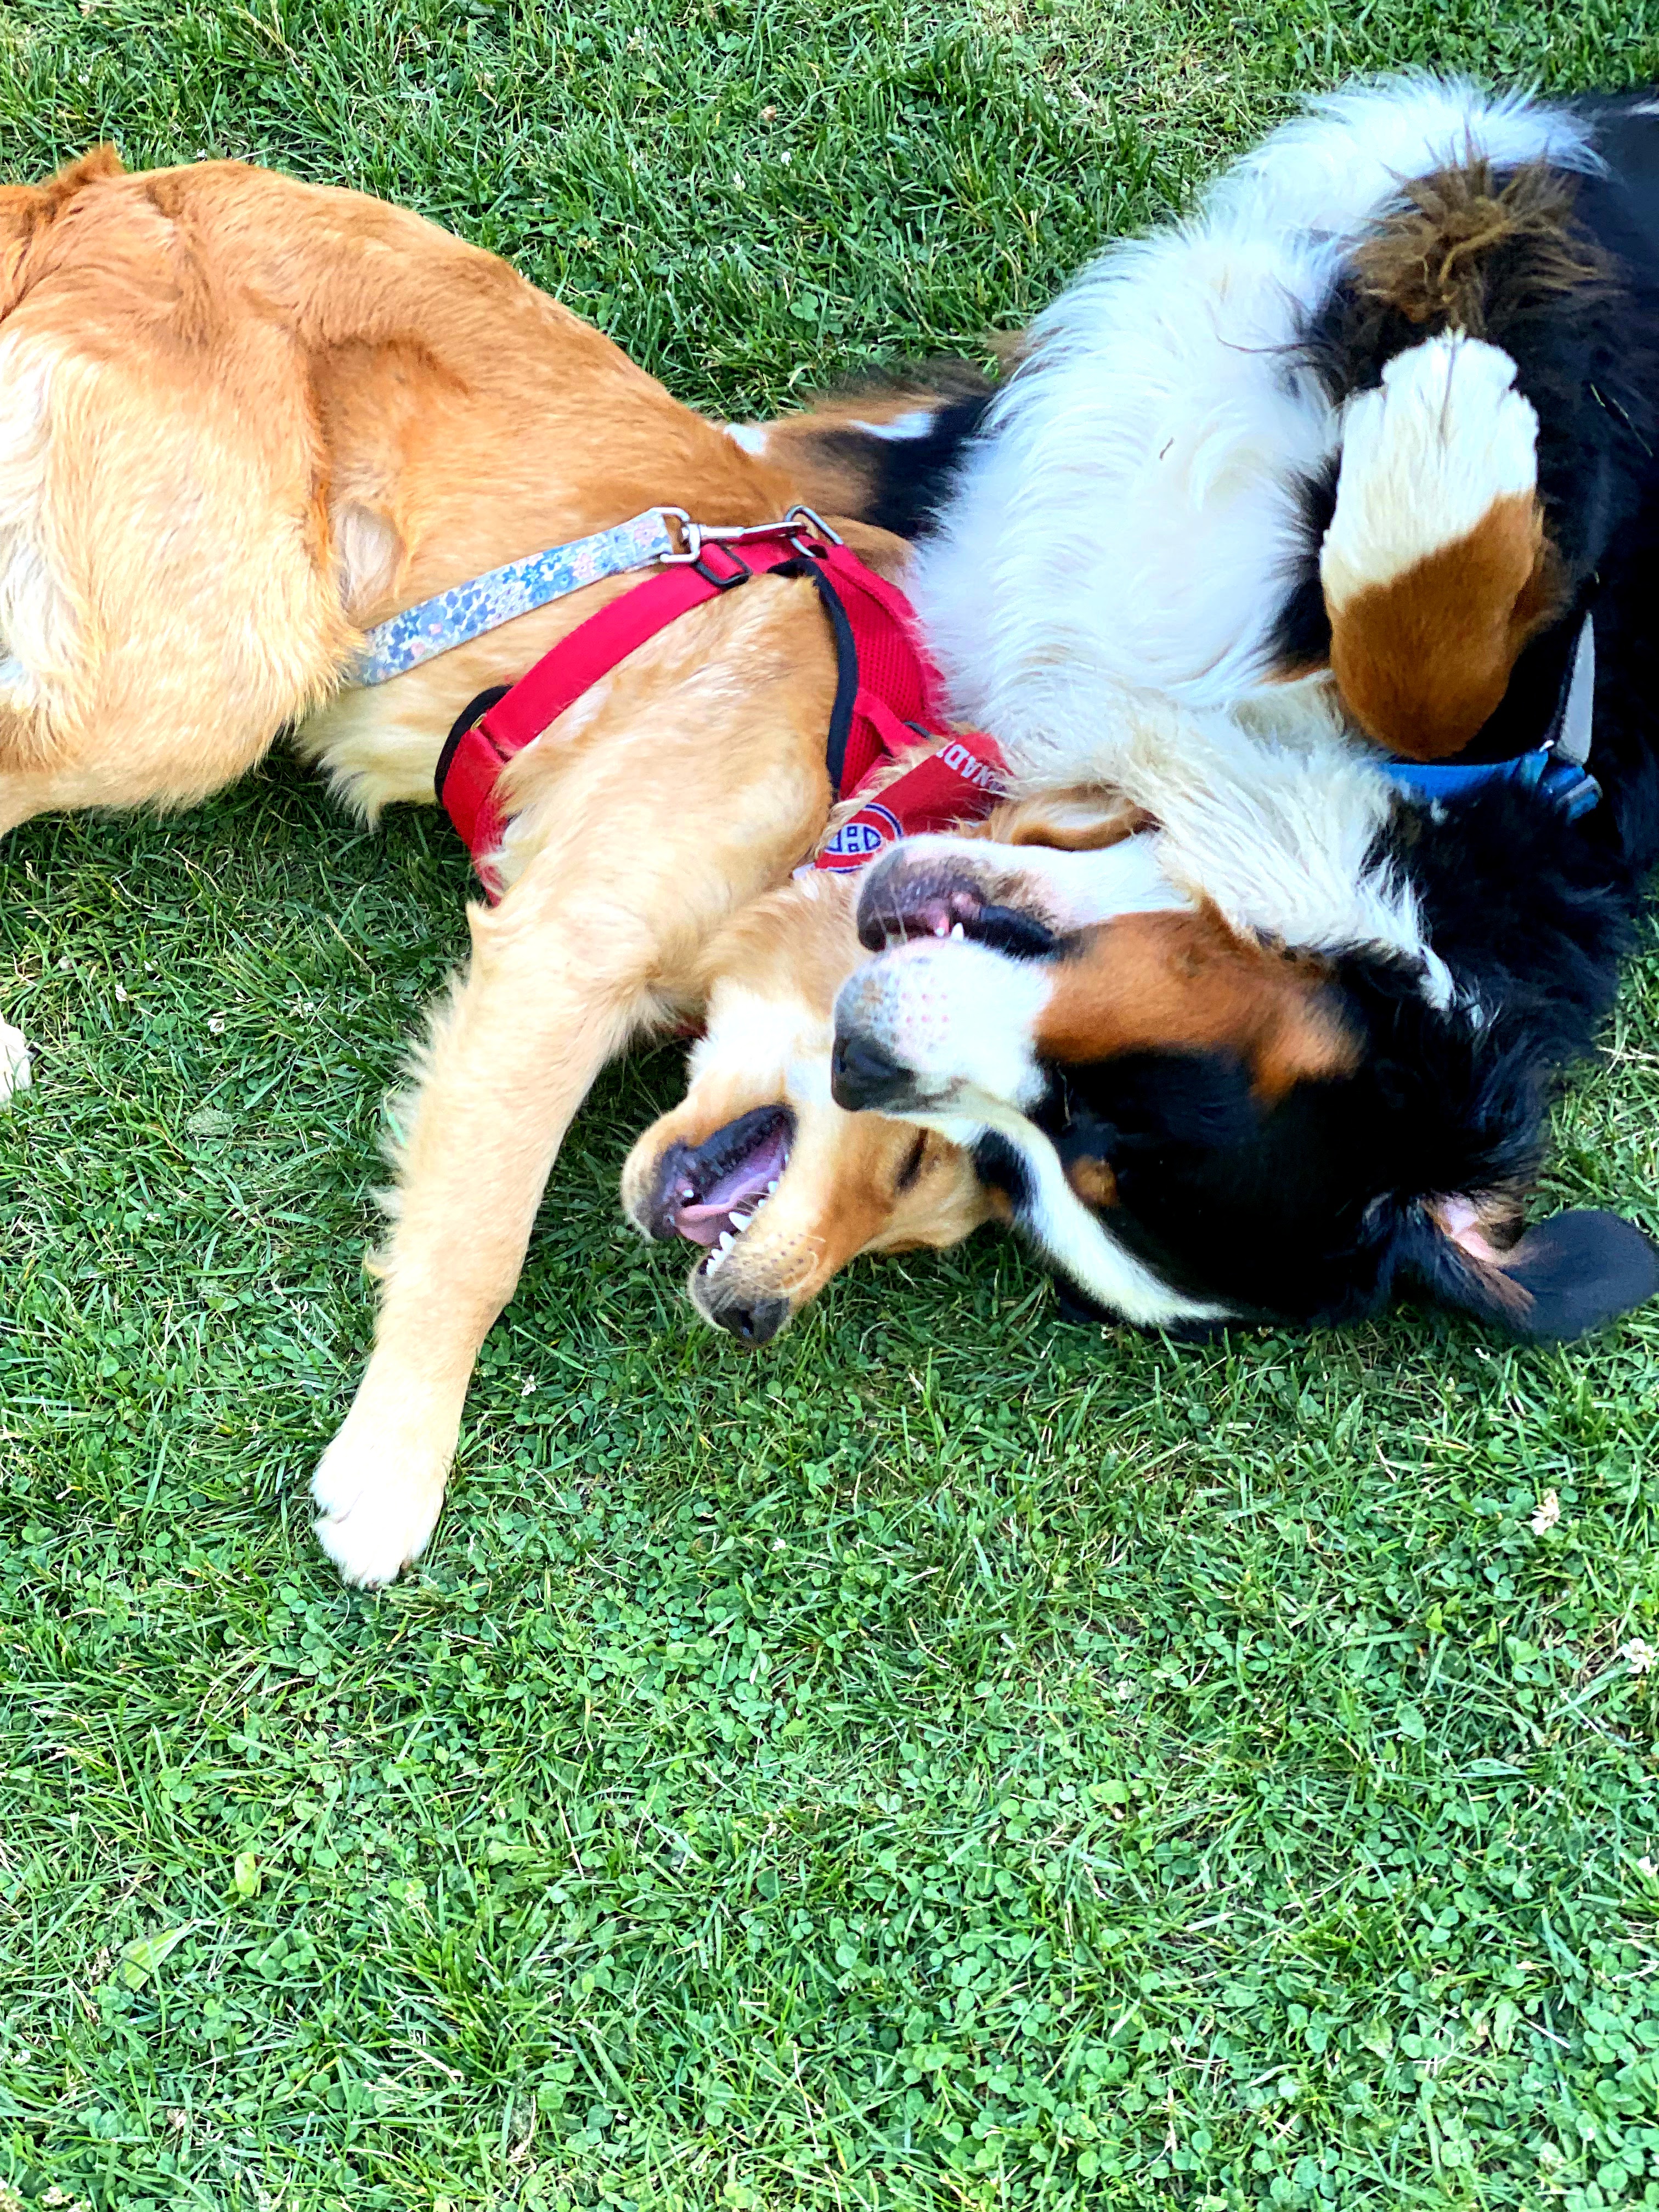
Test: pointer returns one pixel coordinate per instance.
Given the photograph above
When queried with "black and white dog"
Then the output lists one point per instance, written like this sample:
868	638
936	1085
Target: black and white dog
1325	528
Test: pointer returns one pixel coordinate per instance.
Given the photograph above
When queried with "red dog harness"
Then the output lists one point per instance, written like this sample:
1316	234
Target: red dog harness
888	692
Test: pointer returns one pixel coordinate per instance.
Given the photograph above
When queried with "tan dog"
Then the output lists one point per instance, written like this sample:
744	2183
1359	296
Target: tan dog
242	418
757	1163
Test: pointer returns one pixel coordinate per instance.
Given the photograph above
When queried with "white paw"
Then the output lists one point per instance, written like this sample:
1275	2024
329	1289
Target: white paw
379	1494
16	1067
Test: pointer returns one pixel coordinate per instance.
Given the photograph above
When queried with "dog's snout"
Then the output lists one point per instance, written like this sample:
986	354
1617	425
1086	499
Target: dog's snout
863	1075
754	1323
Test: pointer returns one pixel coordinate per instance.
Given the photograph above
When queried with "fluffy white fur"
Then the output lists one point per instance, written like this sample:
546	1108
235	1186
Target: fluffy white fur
1138	486
1279	836
775	1038
1424	459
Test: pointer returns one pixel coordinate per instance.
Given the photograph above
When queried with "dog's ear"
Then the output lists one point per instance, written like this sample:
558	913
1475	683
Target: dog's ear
1558	1280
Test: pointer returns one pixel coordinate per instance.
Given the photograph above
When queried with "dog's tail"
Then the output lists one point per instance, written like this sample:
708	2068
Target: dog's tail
883	448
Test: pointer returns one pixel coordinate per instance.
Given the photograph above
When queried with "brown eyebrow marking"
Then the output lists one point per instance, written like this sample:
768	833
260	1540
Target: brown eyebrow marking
1186	982
912	1167
1093	1182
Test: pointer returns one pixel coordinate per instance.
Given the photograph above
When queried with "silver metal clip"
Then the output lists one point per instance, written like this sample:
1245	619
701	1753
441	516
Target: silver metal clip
694	536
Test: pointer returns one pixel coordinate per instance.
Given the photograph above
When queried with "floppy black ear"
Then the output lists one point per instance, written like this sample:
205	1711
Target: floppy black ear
1137	1099
1566	1276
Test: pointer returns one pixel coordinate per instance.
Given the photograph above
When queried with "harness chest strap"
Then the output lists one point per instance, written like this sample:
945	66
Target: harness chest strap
480	745
888	694
960	782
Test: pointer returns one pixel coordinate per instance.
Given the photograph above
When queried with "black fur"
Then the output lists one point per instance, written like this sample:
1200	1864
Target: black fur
1319	1207
1315	1208
912	477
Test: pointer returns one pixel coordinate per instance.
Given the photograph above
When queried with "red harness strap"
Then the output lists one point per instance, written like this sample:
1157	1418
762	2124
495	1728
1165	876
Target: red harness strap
888	694
961	781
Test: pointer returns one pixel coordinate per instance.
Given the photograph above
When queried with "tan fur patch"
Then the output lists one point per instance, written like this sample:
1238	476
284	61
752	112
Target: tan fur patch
1081	819
1424	661
855	1182
1094	1182
1433	259
1185	983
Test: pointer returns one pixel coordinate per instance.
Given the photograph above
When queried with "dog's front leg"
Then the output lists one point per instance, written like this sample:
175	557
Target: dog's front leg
510	1060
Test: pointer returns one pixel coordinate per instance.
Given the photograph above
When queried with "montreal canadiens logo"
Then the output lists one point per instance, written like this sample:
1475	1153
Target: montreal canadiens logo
862	838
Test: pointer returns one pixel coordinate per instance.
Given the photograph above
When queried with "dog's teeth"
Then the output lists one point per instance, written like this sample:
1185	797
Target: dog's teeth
958	931
941	927
771	1186
739	1221
726	1241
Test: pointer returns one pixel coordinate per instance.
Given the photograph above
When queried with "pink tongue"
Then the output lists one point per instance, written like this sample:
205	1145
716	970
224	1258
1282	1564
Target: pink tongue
704	1223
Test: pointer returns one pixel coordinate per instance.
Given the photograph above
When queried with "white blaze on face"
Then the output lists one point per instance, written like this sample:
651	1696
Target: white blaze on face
1424	460
1075	1239
960	1016
957	1016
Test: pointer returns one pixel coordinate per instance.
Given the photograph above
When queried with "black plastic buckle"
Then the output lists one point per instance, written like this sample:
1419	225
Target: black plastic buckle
739	573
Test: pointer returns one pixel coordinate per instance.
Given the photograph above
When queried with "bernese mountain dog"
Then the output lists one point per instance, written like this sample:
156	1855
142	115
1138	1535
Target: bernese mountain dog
1324	528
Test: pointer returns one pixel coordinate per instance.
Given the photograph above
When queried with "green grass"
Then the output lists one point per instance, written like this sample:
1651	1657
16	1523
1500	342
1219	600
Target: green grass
953	1759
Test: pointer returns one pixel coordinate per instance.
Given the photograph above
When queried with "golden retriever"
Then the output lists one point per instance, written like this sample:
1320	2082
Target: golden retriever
242	419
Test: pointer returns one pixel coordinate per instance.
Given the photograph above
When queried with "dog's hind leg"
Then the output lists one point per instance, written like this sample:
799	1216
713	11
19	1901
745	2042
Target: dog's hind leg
164	605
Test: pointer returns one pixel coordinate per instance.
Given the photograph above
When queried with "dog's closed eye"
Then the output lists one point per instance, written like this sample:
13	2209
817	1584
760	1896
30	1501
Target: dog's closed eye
914	1160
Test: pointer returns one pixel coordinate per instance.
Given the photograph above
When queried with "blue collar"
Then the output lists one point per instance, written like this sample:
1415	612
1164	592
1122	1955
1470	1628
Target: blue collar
1557	770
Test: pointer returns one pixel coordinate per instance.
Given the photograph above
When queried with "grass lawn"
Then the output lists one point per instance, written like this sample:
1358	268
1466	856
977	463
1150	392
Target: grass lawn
953	1758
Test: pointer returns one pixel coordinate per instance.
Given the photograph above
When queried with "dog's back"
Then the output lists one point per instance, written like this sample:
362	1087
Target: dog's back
887	449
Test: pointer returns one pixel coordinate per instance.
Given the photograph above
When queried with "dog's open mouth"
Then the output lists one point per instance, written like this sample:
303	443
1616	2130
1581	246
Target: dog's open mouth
712	1194
925	903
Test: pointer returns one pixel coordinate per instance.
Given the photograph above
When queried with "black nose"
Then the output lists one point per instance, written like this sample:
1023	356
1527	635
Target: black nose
862	1075
753	1325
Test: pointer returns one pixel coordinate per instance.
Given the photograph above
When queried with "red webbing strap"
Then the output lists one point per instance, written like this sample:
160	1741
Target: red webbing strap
961	782
472	762
900	693
890	694
900	697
